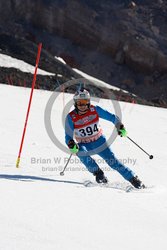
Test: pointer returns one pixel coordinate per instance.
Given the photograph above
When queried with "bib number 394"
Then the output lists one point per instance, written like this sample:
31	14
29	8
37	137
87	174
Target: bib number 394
88	131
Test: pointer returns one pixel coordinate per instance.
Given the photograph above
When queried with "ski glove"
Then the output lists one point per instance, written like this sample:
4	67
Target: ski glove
73	146
121	130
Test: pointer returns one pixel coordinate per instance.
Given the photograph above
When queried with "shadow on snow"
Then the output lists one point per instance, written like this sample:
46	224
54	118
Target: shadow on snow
34	178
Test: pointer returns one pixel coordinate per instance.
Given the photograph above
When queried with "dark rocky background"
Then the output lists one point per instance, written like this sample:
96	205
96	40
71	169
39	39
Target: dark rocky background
121	42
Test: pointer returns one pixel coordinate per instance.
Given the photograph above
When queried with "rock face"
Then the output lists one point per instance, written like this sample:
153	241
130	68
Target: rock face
121	42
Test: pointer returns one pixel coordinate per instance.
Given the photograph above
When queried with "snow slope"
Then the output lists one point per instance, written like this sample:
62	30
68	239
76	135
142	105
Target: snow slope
42	210
11	62
91	78
96	81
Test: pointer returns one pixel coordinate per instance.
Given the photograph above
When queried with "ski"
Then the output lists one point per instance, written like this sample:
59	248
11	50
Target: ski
124	186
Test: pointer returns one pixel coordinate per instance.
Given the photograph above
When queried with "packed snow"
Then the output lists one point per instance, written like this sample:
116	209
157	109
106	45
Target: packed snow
42	210
11	62
96	80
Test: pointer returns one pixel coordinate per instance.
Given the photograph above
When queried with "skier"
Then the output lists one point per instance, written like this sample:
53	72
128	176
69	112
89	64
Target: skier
82	123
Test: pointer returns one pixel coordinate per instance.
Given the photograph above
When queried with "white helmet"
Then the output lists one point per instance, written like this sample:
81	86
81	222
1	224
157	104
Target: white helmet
81	94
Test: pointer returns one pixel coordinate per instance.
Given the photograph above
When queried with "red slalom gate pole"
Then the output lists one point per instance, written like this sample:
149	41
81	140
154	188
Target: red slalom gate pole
29	105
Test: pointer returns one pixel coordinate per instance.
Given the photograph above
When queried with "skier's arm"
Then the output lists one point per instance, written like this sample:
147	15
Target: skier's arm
69	129
104	114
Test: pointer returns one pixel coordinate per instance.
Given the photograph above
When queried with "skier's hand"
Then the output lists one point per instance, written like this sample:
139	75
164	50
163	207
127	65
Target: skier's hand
121	130
73	146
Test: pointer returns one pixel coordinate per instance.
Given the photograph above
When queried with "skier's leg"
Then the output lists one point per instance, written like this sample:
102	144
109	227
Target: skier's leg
111	160
85	158
91	165
127	173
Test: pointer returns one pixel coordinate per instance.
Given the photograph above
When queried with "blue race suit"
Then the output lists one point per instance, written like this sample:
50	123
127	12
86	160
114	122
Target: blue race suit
106	152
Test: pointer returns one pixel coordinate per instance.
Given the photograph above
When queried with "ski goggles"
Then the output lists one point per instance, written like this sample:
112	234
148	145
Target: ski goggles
83	102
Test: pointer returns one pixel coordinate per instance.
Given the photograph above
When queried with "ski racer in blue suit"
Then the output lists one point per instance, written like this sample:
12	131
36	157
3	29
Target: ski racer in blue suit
83	124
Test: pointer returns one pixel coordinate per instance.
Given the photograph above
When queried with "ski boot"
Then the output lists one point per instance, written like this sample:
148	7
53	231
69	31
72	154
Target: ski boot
136	182
100	177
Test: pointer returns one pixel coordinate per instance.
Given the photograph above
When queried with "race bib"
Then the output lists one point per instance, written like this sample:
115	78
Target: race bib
88	133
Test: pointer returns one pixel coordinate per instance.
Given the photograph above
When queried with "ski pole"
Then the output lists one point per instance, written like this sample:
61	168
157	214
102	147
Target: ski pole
150	156
62	172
